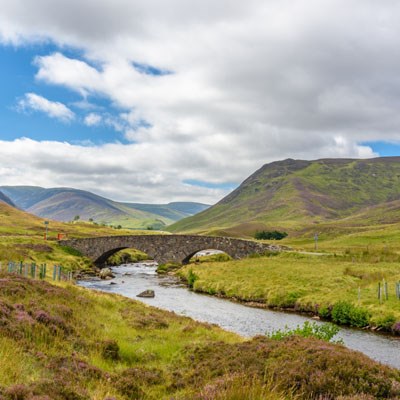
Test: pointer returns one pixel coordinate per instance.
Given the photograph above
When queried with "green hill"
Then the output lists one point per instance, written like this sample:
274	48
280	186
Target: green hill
64	204
295	195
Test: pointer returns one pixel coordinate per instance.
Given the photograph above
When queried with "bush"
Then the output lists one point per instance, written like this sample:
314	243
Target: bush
325	312
270	235
345	313
309	329
110	350
131	381
307	367
386	322
191	278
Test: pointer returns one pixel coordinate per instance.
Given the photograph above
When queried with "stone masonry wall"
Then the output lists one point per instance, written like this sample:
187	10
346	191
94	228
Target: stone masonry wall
164	248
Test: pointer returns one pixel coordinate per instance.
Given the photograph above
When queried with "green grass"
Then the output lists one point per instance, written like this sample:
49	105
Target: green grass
66	342
304	282
75	324
22	239
301	197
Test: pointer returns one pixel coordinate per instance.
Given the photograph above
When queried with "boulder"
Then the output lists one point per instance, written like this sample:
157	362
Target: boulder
146	293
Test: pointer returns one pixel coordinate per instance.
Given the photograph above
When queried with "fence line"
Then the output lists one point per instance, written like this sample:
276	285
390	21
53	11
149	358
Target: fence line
383	291
34	271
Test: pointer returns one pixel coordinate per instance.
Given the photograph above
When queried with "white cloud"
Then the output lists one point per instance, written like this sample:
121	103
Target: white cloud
251	82
92	119
120	172
54	109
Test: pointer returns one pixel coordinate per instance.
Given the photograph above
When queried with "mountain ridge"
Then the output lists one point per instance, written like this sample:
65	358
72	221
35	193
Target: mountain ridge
66	204
291	193
6	199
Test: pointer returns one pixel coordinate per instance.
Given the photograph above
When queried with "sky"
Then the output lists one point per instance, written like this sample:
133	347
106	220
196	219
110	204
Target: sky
156	101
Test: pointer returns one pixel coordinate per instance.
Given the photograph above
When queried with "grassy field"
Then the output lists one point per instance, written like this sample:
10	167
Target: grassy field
22	238
310	283
64	342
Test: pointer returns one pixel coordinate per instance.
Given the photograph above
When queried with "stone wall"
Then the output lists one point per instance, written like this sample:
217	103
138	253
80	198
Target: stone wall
165	248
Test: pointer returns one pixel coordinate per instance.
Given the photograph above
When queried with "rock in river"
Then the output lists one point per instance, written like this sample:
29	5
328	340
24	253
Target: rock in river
106	273
146	293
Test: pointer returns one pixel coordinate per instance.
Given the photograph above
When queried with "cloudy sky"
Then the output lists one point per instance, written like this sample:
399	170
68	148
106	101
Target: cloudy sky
165	100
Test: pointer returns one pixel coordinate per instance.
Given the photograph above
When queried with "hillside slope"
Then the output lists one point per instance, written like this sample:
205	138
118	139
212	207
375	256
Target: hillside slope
291	194
174	211
64	204
6	199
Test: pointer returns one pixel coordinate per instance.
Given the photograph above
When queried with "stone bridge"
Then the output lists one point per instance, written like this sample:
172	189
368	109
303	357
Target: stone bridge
164	248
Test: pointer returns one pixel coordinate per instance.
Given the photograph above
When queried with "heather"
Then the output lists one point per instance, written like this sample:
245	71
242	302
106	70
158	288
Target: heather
65	342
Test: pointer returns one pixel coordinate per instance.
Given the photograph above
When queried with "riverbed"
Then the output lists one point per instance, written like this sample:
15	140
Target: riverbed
131	279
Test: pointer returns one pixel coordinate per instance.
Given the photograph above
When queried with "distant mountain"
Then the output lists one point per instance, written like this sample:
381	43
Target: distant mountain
66	204
174	211
291	194
6	199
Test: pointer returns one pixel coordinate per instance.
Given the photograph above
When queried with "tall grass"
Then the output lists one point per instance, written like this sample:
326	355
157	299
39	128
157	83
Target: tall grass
305	283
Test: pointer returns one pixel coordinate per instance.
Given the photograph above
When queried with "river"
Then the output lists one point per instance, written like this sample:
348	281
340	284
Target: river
131	279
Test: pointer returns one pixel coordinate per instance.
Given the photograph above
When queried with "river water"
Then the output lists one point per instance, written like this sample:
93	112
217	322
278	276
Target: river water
131	279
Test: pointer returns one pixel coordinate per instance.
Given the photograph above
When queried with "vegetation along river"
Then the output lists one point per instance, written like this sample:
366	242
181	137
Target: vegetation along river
131	279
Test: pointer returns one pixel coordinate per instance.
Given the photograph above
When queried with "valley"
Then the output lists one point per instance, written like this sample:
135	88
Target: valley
68	204
149	352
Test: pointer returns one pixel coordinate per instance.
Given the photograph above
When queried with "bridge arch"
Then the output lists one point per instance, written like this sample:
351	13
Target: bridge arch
102	260
164	248
187	259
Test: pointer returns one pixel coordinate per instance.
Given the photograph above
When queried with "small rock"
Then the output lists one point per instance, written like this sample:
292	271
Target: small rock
146	293
113	283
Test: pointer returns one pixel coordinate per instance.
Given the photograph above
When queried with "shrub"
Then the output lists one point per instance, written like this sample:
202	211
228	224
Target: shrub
309	329
386	322
326	371
110	350
270	235
325	312
129	383
191	278
310	368
345	313
239	386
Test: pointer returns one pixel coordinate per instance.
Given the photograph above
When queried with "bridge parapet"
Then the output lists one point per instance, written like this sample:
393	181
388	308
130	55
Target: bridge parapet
165	248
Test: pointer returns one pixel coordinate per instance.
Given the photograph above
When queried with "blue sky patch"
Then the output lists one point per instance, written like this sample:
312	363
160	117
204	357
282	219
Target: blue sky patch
210	185
150	70
17	78
384	149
